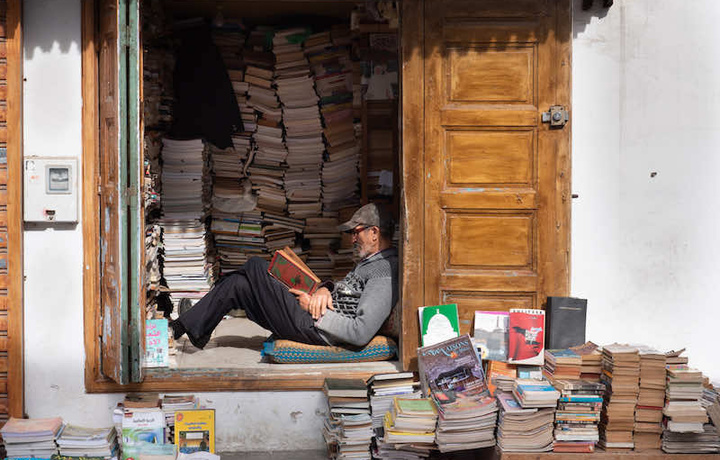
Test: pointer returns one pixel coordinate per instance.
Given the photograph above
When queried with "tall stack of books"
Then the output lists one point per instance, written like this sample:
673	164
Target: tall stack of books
237	238
577	415
621	374
280	230
323	235
465	421
562	364
25	438
523	429
686	416
591	356
185	199
77	441
651	399
384	388
348	428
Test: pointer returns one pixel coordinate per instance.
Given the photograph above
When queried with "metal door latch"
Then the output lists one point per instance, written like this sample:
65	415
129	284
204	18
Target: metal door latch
557	116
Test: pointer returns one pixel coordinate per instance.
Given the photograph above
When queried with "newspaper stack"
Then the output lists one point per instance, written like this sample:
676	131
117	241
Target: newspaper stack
577	415
621	376
77	441
25	438
523	429
651	399
685	426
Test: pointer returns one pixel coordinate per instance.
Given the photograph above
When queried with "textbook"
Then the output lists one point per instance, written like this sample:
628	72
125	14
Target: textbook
195	430
290	270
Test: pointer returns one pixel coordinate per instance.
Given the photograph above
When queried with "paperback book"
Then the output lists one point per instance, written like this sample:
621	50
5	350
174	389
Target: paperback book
438	323
451	366
195	430
526	337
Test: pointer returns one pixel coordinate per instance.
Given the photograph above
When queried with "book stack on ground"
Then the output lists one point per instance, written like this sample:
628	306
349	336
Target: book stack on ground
465	421
651	399
24	438
77	441
410	422
501	376
185	180
173	403
323	236
237	238
523	429
685	415
591	356
562	364
384	388
535	393
621	374
280	230
348	428
577	415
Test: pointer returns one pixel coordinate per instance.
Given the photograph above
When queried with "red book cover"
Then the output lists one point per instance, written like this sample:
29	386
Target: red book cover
526	337
292	272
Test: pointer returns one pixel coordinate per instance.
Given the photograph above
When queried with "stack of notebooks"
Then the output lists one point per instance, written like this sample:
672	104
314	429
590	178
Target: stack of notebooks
384	388
348	428
686	416
185	182
410	421
591	357
621	374
172	403
465	421
577	415
523	429
651	399
24	438
562	364
76	441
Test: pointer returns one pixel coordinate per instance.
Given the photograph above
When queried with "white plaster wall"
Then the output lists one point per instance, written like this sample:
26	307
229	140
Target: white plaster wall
645	76
646	134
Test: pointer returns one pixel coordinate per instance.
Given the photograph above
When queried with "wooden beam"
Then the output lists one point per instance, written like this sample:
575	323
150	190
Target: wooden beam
14	209
90	204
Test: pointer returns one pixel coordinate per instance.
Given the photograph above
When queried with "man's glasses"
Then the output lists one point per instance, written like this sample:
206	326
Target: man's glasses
358	231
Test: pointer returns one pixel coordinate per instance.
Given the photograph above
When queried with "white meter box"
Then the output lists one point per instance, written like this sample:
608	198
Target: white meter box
51	189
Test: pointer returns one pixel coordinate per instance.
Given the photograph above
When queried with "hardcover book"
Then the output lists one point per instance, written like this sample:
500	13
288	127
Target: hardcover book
438	323
565	322
451	366
491	334
526	336
290	270
348	388
195	430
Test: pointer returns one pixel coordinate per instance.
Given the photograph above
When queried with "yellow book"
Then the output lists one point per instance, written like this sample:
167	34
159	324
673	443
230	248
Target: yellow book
195	430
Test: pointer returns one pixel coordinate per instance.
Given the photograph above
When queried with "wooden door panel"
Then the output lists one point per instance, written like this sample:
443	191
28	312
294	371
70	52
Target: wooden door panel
489	241
468	302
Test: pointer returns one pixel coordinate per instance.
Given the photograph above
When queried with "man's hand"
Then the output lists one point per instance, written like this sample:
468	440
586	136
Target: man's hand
316	304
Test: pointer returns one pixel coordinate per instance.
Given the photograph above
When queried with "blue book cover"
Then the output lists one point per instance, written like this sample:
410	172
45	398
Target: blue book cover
156	343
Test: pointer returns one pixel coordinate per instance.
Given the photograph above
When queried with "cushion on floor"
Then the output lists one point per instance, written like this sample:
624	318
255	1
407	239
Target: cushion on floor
282	351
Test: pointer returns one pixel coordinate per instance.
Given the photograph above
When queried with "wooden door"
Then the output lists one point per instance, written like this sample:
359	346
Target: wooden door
495	178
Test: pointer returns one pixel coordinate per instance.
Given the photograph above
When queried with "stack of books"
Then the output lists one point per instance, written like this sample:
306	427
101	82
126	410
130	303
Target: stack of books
229	39
684	412
173	403
465	421
323	236
523	429
591	356
501	376
535	393
384	388
280	230
621	375
562	364
348	428
577	415
410	421
24	438
237	238
651	399
77	441
694	441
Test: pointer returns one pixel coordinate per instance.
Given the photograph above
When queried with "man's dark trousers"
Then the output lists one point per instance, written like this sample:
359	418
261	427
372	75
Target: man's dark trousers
266	301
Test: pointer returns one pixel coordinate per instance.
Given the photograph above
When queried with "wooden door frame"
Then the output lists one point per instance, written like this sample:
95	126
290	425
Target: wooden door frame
557	277
14	79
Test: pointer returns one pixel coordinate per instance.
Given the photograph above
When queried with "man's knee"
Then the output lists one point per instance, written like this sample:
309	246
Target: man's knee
256	263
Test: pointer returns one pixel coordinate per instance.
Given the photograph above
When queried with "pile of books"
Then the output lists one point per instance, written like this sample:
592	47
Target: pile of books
523	429
410	421
173	403
465	421
501	376
348	428
591	357
384	388
651	399
686	416
77	441
24	438
323	235
562	364
535	393
577	415
621	374
237	238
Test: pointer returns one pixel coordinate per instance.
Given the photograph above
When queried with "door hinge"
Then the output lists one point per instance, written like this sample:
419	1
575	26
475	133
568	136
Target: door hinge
557	116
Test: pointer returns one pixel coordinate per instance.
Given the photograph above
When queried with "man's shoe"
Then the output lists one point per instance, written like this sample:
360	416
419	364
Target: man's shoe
184	306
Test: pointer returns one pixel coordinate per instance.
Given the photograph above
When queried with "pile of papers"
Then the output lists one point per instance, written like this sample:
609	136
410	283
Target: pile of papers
523	429
77	441
31	437
465	421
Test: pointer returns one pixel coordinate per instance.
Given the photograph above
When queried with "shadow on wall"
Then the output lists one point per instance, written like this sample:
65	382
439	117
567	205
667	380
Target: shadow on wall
56	25
585	10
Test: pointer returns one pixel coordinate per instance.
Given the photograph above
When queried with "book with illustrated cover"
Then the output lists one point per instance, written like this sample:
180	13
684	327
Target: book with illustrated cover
451	366
491	334
141	426
290	270
438	323
195	430
156	343
526	336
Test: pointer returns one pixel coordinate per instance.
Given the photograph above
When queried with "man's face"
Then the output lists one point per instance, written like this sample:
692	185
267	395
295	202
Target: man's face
363	243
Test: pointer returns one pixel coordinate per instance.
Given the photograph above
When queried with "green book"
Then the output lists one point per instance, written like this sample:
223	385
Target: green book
420	407
438	323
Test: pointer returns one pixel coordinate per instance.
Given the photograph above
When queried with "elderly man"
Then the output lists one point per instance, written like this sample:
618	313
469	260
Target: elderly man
349	312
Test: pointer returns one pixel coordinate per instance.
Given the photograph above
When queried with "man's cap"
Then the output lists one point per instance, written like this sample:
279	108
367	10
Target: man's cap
370	215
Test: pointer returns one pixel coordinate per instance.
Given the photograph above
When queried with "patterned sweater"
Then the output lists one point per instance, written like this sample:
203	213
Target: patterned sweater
362	301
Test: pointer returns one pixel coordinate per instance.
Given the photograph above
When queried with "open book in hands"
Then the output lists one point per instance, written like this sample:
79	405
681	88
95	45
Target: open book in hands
290	270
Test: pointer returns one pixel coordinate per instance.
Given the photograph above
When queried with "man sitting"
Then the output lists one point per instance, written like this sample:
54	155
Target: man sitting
349	312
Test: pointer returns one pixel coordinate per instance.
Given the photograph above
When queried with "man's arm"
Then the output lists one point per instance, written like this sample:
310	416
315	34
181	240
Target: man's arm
373	309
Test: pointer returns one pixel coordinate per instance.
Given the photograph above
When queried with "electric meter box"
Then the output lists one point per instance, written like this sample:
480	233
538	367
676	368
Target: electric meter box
51	189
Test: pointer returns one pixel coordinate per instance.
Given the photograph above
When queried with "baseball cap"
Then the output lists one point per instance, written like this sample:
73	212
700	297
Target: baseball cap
370	215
